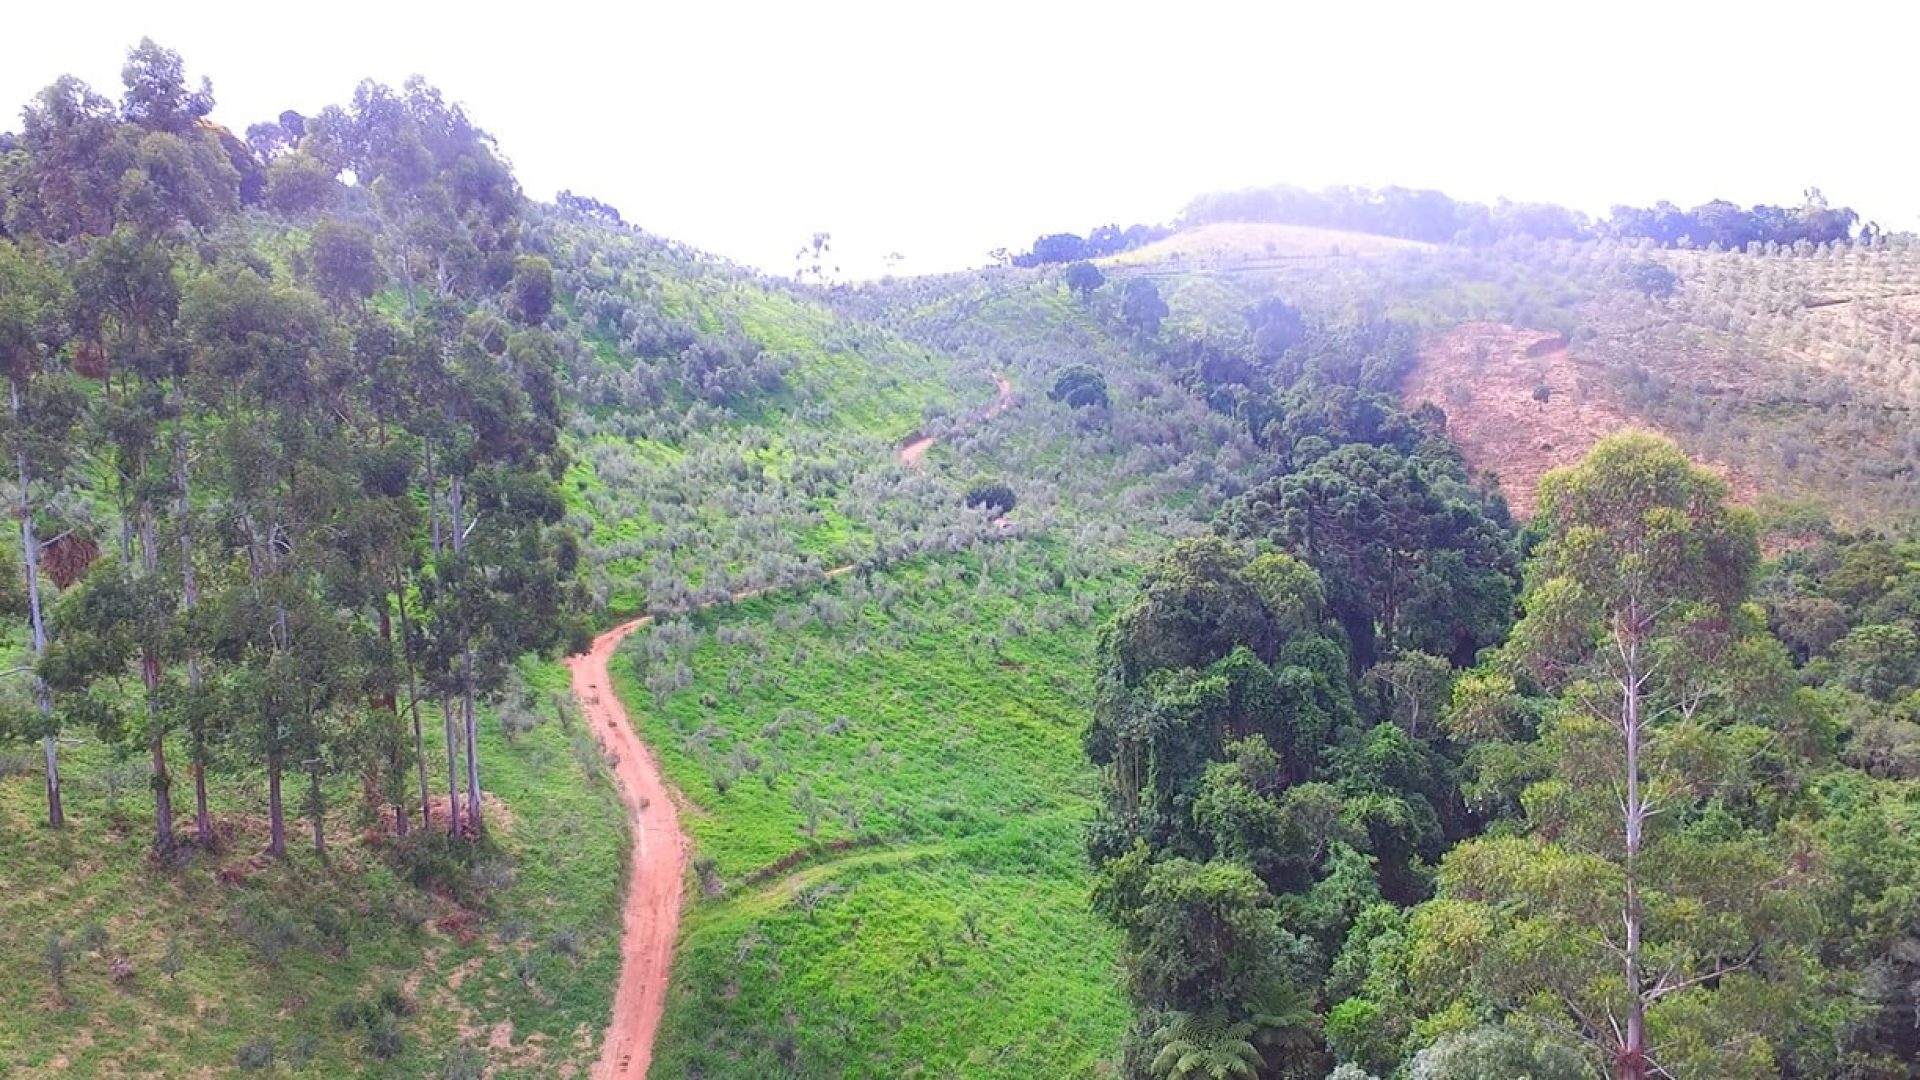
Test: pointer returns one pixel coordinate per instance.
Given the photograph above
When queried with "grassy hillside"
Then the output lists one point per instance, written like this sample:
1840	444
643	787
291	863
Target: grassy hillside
505	957
884	778
883	775
1797	371
734	433
888	795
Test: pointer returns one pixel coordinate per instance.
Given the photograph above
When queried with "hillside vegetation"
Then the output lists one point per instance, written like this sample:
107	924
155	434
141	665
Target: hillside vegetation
285	451
1273	661
1793	369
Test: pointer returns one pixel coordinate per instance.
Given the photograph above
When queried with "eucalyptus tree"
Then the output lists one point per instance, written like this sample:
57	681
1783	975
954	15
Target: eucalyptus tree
505	568
272	374
1646	909
44	406
127	302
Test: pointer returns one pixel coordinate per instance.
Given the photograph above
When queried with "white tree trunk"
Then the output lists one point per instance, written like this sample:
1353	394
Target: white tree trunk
43	696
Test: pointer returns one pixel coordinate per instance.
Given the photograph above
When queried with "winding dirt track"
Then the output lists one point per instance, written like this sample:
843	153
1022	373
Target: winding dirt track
658	867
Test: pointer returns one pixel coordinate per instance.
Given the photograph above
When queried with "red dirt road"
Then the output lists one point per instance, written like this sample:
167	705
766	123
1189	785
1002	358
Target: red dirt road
656	873
912	450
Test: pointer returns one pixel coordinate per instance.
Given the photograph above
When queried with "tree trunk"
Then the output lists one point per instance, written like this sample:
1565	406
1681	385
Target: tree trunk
276	813
42	695
453	765
413	708
276	819
474	822
162	780
202	820
190	599
317	809
1633	1052
157	746
469	725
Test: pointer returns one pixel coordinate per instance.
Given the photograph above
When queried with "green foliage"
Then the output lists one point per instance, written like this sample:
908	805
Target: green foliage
1652	279
346	268
1496	1053
1413	559
990	494
1079	386
1206	1046
1142	307
1084	277
532	289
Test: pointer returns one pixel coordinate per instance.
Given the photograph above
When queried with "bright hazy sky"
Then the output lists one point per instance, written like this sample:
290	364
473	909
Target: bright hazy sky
941	130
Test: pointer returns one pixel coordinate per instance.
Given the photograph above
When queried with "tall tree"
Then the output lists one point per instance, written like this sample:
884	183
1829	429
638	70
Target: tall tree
272	373
1640	914
127	301
44	405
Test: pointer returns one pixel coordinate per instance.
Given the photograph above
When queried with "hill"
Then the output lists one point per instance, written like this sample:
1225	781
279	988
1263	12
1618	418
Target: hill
931	589
1518	405
1223	246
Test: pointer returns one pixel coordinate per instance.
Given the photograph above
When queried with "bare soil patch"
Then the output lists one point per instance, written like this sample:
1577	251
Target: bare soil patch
1518	405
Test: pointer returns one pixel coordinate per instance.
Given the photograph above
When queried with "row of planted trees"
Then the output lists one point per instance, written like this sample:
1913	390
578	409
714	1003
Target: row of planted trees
318	447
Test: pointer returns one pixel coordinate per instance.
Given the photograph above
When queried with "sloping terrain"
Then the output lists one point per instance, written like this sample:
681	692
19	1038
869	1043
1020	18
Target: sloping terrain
233	957
882	775
1229	246
1518	405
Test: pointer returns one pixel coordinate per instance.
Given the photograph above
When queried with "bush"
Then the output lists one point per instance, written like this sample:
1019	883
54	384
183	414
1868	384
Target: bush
1079	386
255	1055
465	1063
300	1054
1084	277
431	860
383	1040
1652	279
392	1001
990	493
56	957
349	1015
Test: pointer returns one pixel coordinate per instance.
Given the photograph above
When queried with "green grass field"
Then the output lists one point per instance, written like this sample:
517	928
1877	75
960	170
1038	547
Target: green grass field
266	954
891	794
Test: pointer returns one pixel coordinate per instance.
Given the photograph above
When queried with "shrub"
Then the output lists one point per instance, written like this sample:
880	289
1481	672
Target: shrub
394	1002
173	961
465	1063
709	872
349	1015
1652	279
300	1054
56	957
383	1040
255	1056
1080	386
990	493
1084	277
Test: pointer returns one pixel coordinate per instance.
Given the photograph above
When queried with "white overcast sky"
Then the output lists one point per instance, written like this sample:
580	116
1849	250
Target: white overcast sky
942	130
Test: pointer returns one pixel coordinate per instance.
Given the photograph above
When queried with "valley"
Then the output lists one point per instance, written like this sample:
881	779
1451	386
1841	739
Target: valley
1342	635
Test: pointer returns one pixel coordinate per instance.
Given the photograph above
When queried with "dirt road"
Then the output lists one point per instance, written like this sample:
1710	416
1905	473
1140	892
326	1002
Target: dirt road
912	450
652	915
658	868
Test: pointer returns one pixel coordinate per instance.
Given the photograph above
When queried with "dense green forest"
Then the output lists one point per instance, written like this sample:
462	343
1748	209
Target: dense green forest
1097	664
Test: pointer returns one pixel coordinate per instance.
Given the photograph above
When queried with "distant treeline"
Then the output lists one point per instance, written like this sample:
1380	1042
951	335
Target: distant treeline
1435	217
1105	240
